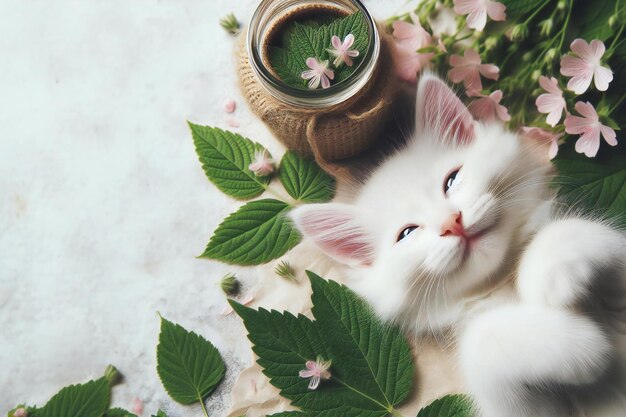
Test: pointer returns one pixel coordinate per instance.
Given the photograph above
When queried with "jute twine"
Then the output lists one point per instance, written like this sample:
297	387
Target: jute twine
335	132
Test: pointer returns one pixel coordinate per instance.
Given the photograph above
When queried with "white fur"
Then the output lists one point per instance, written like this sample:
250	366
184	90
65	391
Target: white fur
521	356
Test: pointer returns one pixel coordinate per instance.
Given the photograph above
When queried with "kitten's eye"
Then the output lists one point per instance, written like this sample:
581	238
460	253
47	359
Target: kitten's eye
452	177
405	232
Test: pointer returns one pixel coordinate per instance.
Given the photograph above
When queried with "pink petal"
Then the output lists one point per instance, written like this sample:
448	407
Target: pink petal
602	77
496	96
551	85
465	6
482	108
315	81
609	135
335	42
348	41
597	48
587	110
456	75
581	48
490	71
580	83
496	11
472	81
552	104
571	66
554	147
314	382
352	53
329	73
477	19
575	125
471	56
403	30
230	106
325	81
307	75
589	143
502	113
311	63
306	373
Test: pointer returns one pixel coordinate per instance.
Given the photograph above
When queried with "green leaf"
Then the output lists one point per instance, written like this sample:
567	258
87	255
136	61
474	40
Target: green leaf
304	40
225	157
371	362
594	20
449	406
256	233
160	413
189	366
81	400
304	180
595	185
119	412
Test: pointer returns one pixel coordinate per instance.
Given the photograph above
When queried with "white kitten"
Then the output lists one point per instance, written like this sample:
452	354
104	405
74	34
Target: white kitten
452	235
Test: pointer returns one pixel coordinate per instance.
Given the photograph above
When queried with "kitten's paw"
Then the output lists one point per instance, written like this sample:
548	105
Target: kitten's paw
561	263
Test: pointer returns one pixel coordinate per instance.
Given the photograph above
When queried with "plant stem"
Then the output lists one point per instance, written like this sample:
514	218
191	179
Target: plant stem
610	50
206	414
395	412
545	3
564	29
616	105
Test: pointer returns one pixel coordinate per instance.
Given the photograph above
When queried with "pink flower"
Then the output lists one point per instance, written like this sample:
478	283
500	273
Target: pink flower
590	128
409	63
409	38
262	165
316	370
467	68
477	11
552	103
319	72
544	136
585	66
342	51
230	105
488	107
412	35
20	412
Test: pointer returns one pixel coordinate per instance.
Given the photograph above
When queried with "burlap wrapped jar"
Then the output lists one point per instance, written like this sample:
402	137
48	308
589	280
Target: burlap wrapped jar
339	126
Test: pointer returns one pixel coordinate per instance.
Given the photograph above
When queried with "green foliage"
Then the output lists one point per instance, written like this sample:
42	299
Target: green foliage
189	366
306	40
81	400
160	413
304	180
119	412
449	406
256	233
225	157
371	362
517	8
598	187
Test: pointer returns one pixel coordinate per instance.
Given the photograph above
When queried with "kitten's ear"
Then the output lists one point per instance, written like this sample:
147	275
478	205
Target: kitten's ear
441	112
334	227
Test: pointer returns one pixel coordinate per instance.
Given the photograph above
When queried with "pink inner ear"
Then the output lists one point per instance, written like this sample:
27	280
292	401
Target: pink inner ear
441	112
336	233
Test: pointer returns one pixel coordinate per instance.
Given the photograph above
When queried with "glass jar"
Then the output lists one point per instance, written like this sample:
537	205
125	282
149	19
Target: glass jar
266	20
333	123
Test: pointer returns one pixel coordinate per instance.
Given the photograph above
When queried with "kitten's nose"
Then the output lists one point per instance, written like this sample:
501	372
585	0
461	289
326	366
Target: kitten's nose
453	226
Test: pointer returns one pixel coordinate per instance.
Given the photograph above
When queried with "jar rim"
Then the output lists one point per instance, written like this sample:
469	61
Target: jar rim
314	98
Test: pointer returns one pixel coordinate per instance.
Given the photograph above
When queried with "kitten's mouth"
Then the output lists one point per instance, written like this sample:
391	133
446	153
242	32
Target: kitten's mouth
471	237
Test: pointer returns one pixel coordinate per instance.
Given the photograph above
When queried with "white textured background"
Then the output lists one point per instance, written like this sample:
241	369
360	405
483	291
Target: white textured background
103	205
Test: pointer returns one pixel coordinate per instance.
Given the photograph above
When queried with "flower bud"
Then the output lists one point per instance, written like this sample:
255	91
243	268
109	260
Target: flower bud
527	56
491	42
535	75
613	21
20	412
550	55
519	32
545	27
263	164
561	5
112	375
230	285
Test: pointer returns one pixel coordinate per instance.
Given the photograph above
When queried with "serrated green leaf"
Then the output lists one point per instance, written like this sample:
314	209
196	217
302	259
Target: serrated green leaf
304	180
160	413
449	406
225	157
255	234
289	414
304	40
81	400
370	356
365	382
189	366
119	412
597	186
